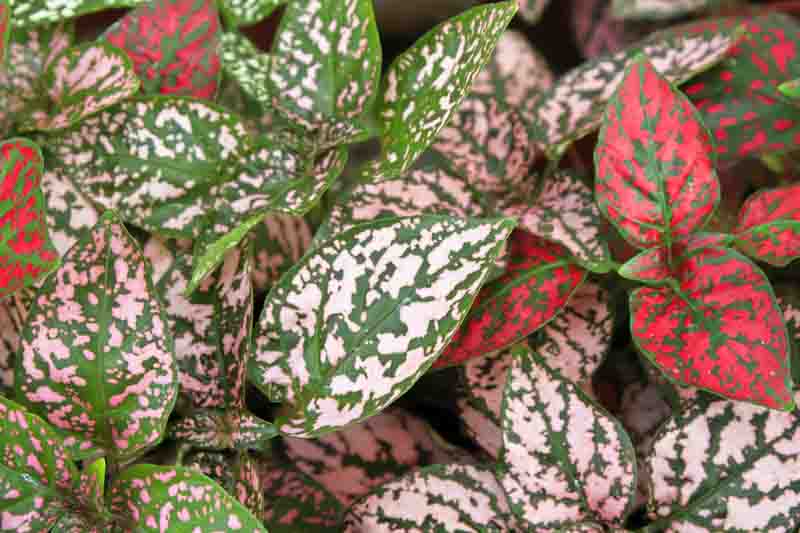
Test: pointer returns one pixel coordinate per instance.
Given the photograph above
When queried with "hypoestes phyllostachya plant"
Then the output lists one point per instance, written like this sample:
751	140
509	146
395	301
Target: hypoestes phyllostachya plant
264	267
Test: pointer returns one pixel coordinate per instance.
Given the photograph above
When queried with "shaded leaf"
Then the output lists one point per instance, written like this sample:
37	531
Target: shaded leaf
234	428
597	32
96	358
769	225
5	29
719	328
173	46
247	12
13	313
655	175
531	10
248	487
279	241
789	301
537	283
425	84
658	9
437	498
37	12
563	459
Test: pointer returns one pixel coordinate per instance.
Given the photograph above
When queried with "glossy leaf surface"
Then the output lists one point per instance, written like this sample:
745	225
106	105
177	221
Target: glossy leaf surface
769	225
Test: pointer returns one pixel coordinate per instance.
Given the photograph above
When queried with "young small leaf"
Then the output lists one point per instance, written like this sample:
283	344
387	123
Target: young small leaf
719	328
97	358
173	46
769	225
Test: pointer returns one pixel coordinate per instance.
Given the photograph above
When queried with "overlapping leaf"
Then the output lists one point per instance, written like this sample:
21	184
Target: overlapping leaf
726	466
247	12
537	283
218	429
652	266
769	225
658	9
248	66
154	160
82	81
173	46
438	498
69	213
531	10
279	242
425	85
26	13
719	329
597	32
248	486
331	347
789	301
12	317
563	460
97	356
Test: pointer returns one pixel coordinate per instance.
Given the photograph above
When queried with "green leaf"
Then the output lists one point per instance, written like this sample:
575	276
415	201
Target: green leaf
97	357
247	65
154	160
82	81
164	498
335	365
790	88
658	9
5	29
326	64
425	84
247	12
38	12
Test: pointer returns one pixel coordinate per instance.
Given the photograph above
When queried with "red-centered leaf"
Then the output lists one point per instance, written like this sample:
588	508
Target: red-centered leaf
5	29
655	174
726	466
769	225
172	44
438	498
26	253
539	280
13	313
279	241
97	357
563	460
723	330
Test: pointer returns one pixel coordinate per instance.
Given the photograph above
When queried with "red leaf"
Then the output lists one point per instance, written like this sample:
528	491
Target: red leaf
172	44
652	266
769	225
536	286
5	28
724	332
655	176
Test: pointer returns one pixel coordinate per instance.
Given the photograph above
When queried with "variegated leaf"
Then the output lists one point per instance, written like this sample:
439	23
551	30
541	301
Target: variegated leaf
351	462
5	29
69	213
247	12
12	319
26	253
247	65
247	485
216	465
234	428
37	475
438	498
279	241
563	459
652	267
719	328
531	10
173	46
565	212
82	81
425	85
326	64
537	283
726	466
789	301
26	13
154	160
655	173
295	502
332	329
164	498
97	358
658	9
769	225
574	105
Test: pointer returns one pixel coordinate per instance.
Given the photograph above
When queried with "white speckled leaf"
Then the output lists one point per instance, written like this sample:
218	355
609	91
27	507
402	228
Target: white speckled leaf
574	106
565	212
37	12
247	65
13	312
436	498
658	9
154	160
279	241
354	324
425	84
563	459
97	356
326	64
247	12
69	213
82	81
531	10
727	466
163	498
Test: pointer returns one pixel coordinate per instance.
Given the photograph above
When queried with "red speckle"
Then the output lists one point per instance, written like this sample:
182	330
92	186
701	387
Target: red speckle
694	88
726	75
716	108
726	122
783	53
783	124
758	140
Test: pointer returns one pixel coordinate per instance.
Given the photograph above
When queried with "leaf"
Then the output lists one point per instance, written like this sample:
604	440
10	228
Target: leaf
69	213
82	81
565	212
658	9
652	267
726	466
279	241
26	253
655	176
739	98
37	12
790	88
5	29
247	12
574	106
335	366
326	64
234	428
12	317
248	487
536	286
769	225
563	460
531	10
247	65
719	329
36	473
153	160
438	498
789	301
164	498
425	84
173	46
96	358
597	32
